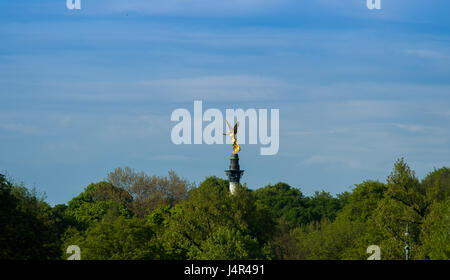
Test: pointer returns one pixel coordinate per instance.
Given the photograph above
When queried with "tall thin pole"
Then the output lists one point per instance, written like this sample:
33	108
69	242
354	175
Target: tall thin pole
407	247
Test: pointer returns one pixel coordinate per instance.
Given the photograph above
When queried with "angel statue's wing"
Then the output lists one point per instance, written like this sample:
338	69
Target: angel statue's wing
236	127
229	126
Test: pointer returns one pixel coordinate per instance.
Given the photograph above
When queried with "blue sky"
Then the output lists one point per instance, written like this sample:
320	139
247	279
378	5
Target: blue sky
83	92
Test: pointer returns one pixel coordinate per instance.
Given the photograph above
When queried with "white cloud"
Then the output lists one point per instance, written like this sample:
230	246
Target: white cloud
192	7
216	81
211	88
317	159
329	160
299	132
412	128
170	157
369	94
338	130
424	53
18	127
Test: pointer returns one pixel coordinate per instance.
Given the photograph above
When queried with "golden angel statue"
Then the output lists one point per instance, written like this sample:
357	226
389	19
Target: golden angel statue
232	133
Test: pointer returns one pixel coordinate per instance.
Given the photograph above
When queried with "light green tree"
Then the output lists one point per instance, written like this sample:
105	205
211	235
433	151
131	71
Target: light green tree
118	238
405	202
211	214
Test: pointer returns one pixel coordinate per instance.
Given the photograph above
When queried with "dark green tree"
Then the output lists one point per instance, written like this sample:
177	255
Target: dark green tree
284	203
27	225
322	205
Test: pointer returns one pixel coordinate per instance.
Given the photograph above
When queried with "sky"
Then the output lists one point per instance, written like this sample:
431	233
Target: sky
85	91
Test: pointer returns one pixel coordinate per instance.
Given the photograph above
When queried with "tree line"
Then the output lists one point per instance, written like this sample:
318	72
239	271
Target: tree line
131	215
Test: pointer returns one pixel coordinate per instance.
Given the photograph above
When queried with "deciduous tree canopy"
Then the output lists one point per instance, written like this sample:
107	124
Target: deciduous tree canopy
132	216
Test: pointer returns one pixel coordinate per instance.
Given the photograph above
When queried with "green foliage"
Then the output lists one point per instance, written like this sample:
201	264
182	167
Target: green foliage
326	240
284	203
229	244
294	209
135	216
115	239
436	185
27	226
198	224
283	245
324	206
404	202
435	235
376	214
359	213
348	236
62	219
92	205
89	213
363	201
